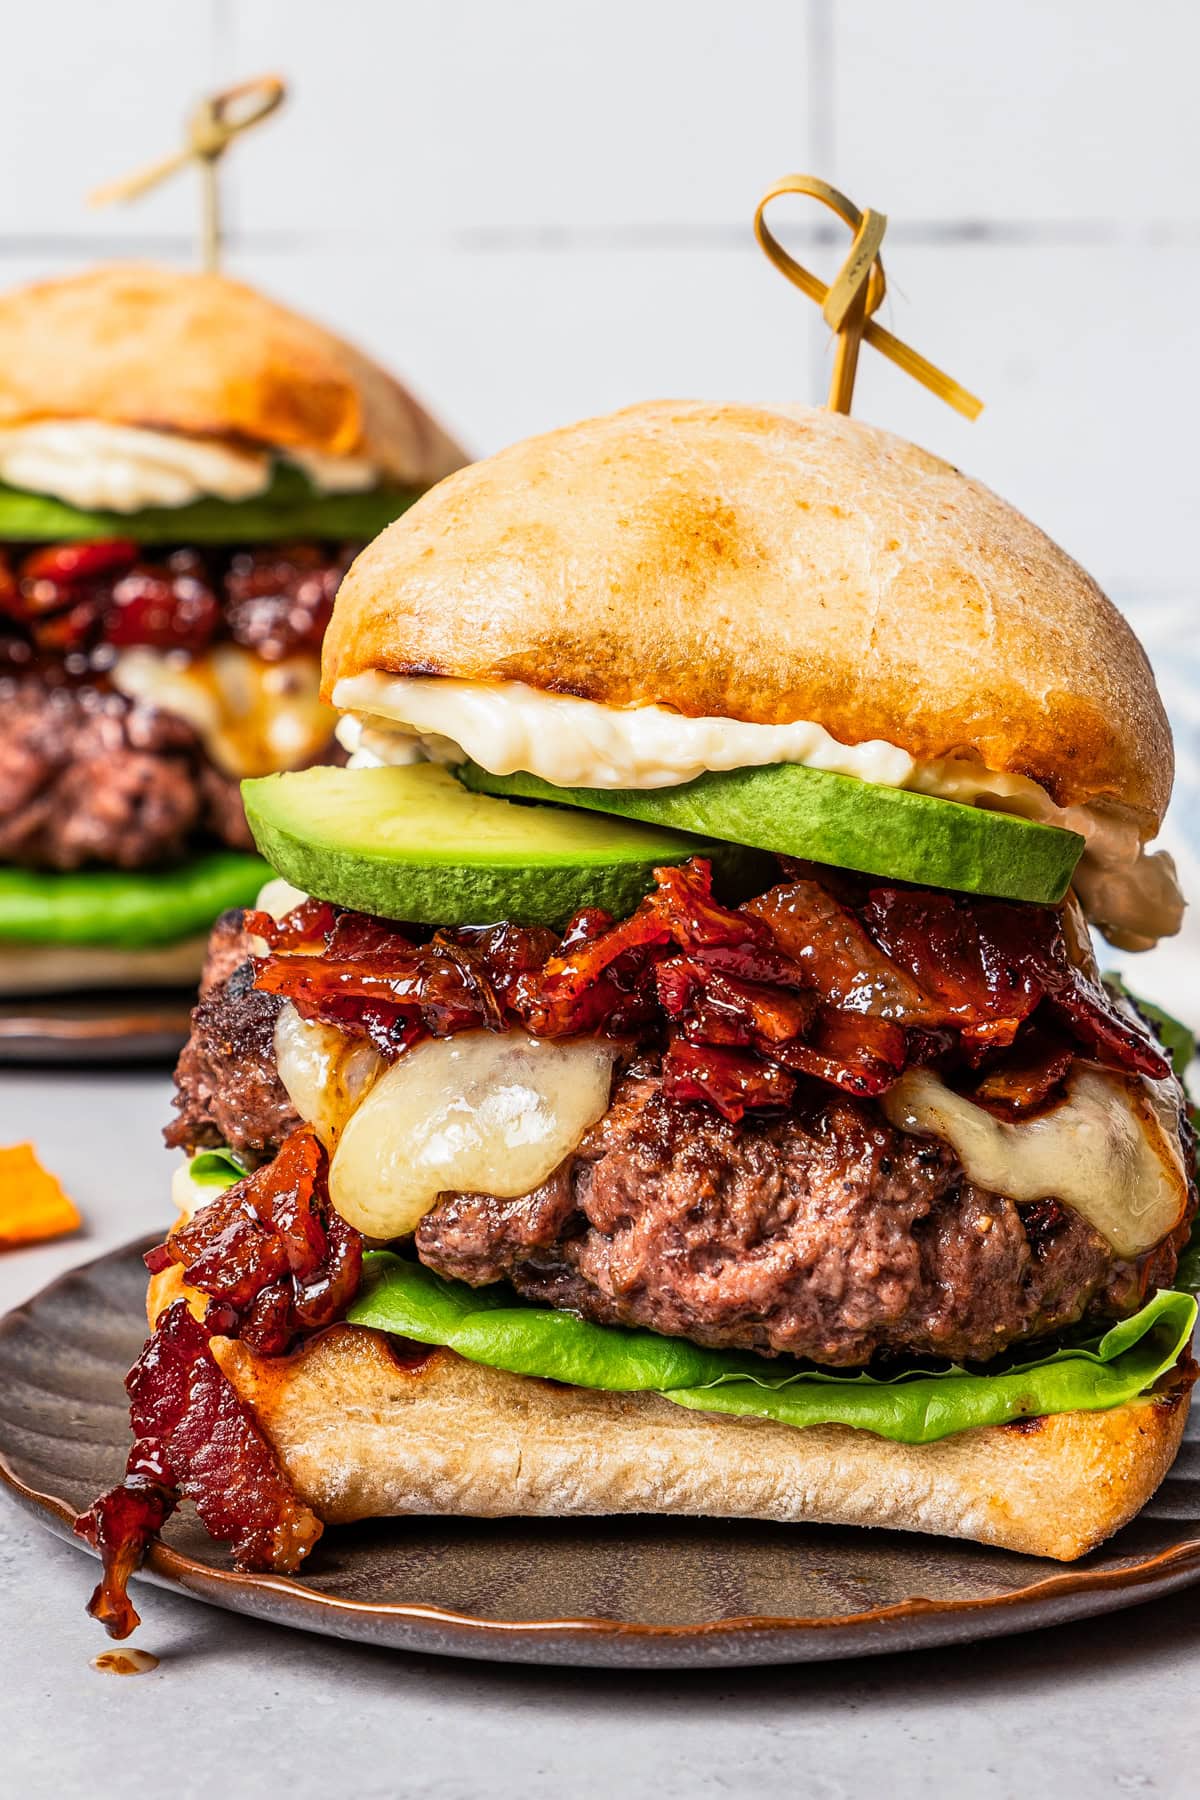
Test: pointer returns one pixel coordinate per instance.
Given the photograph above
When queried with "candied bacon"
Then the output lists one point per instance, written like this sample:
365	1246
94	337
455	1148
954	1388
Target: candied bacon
837	957
121	1525
306	925
728	1079
357	934
991	963
419	979
271	1253
162	608
67	564
716	1008
853	1051
1022	1078
196	1440
833	978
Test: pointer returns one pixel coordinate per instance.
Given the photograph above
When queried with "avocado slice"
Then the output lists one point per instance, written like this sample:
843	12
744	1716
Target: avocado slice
128	909
411	843
840	820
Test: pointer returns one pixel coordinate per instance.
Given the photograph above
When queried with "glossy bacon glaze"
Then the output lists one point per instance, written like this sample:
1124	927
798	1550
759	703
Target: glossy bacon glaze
830	977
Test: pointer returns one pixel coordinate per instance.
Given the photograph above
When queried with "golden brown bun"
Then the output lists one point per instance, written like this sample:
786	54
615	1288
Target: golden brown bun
175	350
72	968
363	1436
767	566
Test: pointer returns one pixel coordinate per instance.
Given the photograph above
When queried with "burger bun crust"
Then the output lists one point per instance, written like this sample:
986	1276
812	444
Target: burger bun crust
361	1433
770	566
175	350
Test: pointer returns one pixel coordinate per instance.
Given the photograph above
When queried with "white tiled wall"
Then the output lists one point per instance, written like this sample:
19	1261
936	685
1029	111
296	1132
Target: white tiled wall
541	208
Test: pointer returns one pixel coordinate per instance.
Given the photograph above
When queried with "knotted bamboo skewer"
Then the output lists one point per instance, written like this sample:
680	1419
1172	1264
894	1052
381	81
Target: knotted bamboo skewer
211	129
854	296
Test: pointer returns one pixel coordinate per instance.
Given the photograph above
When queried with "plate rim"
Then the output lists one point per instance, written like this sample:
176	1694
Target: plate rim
128	1025
180	1572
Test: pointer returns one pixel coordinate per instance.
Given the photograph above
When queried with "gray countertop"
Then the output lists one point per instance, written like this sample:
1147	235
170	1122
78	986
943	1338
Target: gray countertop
1107	1707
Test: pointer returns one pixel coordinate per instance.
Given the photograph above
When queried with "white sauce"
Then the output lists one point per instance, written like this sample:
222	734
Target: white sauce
121	468
478	1113
99	466
1132	894
1110	1150
254	717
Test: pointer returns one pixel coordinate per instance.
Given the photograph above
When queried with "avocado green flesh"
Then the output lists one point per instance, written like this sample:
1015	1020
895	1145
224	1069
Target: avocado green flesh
411	843
839	820
129	910
290	508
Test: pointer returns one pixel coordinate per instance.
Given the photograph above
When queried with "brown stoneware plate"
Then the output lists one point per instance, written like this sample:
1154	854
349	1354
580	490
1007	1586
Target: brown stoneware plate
615	1593
105	1028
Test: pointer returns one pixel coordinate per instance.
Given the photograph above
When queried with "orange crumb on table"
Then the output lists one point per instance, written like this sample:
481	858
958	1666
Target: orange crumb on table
33	1205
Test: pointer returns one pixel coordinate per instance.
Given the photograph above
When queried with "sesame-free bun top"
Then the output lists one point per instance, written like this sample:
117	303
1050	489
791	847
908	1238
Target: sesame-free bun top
173	350
767	565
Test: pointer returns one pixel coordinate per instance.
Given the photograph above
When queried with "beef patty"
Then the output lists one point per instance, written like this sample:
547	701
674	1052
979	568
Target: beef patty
90	776
227	1087
826	1235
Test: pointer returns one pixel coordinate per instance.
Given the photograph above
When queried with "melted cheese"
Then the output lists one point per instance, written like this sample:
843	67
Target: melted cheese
1110	1150
477	1113
96	465
254	717
326	1072
1132	894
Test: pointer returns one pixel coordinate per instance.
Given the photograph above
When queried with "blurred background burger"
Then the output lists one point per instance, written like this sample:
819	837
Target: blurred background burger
187	468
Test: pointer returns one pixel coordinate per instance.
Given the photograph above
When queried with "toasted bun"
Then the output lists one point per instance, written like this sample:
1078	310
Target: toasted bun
767	566
172	350
361	1435
68	968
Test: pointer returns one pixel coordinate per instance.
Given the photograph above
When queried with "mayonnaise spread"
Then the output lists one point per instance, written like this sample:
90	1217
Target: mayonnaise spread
102	467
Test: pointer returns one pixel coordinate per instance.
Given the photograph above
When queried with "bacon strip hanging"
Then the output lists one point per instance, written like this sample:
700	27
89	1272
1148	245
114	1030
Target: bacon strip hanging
196	1440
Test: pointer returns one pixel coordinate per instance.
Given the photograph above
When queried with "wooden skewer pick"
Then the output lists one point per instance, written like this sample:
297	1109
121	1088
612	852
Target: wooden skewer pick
854	295
210	131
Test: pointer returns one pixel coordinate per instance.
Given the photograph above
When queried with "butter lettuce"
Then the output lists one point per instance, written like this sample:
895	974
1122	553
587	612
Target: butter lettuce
291	507
126	909
493	1327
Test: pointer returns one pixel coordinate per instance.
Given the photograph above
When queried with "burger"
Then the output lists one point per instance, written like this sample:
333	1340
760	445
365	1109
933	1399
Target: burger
186	470
671	1071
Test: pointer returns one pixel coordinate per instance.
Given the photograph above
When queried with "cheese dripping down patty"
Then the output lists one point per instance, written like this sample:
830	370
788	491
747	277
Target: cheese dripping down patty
481	1113
1110	1150
1132	894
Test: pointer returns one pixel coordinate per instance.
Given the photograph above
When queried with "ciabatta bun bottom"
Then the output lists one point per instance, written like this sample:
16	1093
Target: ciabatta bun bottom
362	1435
85	968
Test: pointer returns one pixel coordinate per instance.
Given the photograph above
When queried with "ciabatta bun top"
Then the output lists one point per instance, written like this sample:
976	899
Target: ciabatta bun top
767	565
172	350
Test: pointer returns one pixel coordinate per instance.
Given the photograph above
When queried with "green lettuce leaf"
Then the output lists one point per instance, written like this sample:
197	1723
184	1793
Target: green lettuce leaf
215	1170
492	1327
126	909
290	507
